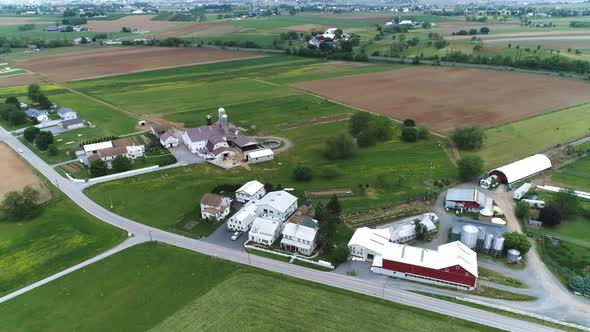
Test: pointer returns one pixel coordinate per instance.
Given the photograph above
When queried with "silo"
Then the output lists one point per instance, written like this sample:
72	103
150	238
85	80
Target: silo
209	120
456	233
481	235
497	246
469	236
487	243
513	255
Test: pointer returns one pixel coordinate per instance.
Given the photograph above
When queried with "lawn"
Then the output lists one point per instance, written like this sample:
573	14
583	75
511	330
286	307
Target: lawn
575	175
60	237
520	139
164	288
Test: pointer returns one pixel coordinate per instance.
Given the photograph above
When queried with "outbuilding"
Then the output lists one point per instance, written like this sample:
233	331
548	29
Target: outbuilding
522	169
72	124
261	155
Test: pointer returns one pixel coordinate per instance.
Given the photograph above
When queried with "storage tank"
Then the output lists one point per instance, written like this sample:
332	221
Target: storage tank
498	221
497	246
487	243
469	236
513	255
486	214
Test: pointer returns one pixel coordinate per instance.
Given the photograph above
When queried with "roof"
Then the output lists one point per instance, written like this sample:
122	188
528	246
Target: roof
463	195
98	146
525	167
204	133
161	127
32	112
70	122
372	239
165	136
264	228
63	111
260	153
300	231
278	200
447	255
114	151
246	213
250	187
407	228
243	141
212	200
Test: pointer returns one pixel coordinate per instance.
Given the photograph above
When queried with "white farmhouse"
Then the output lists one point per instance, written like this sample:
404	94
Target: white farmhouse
277	205
66	114
265	231
243	219
214	206
300	237
168	140
250	191
135	151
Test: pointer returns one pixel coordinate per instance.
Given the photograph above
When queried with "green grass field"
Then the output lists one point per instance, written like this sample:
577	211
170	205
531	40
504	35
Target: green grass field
576	175
60	237
164	288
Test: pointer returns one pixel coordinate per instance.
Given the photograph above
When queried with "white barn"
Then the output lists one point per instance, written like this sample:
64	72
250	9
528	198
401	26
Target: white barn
250	191
366	243
522	169
258	156
168	140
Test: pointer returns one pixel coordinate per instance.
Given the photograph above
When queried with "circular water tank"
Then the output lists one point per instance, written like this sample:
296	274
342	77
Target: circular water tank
498	244
499	221
486	212
487	243
469	236
221	109
481	233
513	255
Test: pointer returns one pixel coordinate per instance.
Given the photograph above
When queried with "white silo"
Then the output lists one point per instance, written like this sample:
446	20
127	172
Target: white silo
481	235
487	243
497	246
469	236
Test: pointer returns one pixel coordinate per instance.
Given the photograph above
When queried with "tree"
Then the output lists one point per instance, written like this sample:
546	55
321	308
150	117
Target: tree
420	229
340	254
43	140
422	132
31	133
340	147
33	91
346	46
358	121
518	241
409	134
468	138
566	201
473	32
121	164
302	173
367	138
484	30
98	168
125	29
550	216
18	206
43	101
334	207
470	167
409	123
576	284
12	100
522	210
53	151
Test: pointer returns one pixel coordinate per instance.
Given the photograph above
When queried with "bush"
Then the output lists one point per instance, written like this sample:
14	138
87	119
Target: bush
522	210
409	123
340	254
422	132
330	172
566	201
43	140
366	138
470	167
468	138
18	206
518	241
358	122
550	216
302	173
31	133
121	164
52	150
340	147
409	134
98	168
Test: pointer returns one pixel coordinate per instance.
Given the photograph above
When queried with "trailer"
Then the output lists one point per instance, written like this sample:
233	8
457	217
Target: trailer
521	191
535	203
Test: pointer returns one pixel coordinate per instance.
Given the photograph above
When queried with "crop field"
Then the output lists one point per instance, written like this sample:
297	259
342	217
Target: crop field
162	288
25	79
16	175
444	98
60	237
110	61
141	22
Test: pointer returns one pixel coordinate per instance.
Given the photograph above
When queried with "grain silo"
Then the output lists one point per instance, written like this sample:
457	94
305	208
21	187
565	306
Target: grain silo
498	246
469	236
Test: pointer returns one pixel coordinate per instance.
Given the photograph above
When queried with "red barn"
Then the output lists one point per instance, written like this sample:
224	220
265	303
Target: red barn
453	264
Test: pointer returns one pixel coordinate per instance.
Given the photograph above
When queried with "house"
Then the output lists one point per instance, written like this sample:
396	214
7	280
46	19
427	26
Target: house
39	115
51	28
471	200
250	191
160	129
329	36
404	231
243	219
258	156
168	140
91	149
264	231
135	151
277	205
300	237
66	114
71	124
453	264
406	22
215	206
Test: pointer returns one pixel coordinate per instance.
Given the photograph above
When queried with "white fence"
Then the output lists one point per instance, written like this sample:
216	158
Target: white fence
290	256
580	194
114	176
524	313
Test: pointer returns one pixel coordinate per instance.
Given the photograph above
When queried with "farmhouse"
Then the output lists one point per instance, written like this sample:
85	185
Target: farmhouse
277	205
522	169
258	156
70	124
265	231
300	237
66	114
107	151
243	219
160	129
168	140
39	115
329	36
469	199
250	191
453	264
214	207
90	149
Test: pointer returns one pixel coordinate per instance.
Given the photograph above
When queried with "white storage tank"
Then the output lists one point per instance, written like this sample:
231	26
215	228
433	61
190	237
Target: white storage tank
498	245
498	221
487	243
469	236
513	255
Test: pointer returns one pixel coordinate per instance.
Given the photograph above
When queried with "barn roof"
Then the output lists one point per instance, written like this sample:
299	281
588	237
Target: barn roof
524	168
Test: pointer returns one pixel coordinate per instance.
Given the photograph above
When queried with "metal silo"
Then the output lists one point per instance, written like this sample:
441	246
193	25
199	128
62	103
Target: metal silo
469	236
481	235
497	246
487	243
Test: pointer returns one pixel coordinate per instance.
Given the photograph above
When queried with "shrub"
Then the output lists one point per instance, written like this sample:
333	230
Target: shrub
31	133
550	216
470	167
302	173
518	241
422	132
340	147
18	206
43	140
468	138
522	210
409	123
409	134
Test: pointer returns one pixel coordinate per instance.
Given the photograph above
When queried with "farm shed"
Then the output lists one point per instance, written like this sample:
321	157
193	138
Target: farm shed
522	169
257	156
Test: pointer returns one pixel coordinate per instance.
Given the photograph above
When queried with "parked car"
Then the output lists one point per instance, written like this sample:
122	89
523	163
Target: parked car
236	235
21	151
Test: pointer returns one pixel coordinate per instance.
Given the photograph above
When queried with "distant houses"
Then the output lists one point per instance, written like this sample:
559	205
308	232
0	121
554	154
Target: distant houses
107	152
66	114
329	36
39	115
250	191
215	207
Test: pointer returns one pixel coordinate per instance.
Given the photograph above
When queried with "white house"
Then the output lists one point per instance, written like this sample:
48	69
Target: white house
300	237
265	231
168	140
66	114
277	205
39	115
243	219
135	151
90	149
215	206
258	156
250	191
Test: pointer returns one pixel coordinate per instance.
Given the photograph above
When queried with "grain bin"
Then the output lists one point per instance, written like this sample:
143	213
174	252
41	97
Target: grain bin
497	246
487	243
469	236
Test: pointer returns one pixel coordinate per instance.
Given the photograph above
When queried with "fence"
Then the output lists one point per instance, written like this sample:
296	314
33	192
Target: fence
114	176
331	266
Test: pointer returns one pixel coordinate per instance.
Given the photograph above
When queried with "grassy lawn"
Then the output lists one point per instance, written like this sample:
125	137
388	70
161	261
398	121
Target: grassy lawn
164	288
497	278
565	260
575	175
60	237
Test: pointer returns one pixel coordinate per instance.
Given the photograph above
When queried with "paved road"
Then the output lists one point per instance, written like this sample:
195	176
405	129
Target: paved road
143	233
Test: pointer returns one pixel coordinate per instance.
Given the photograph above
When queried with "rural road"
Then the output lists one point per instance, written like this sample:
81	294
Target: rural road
144	233
536	38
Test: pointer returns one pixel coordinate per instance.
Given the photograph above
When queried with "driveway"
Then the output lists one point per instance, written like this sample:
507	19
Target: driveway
185	156
222	237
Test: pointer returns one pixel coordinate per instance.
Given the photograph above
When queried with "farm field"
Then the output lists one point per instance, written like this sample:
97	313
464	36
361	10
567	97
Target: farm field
110	61
25	79
141	22
445	97
164	288
576	175
16	175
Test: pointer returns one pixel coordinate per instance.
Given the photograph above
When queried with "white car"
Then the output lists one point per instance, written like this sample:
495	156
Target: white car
21	151
236	235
